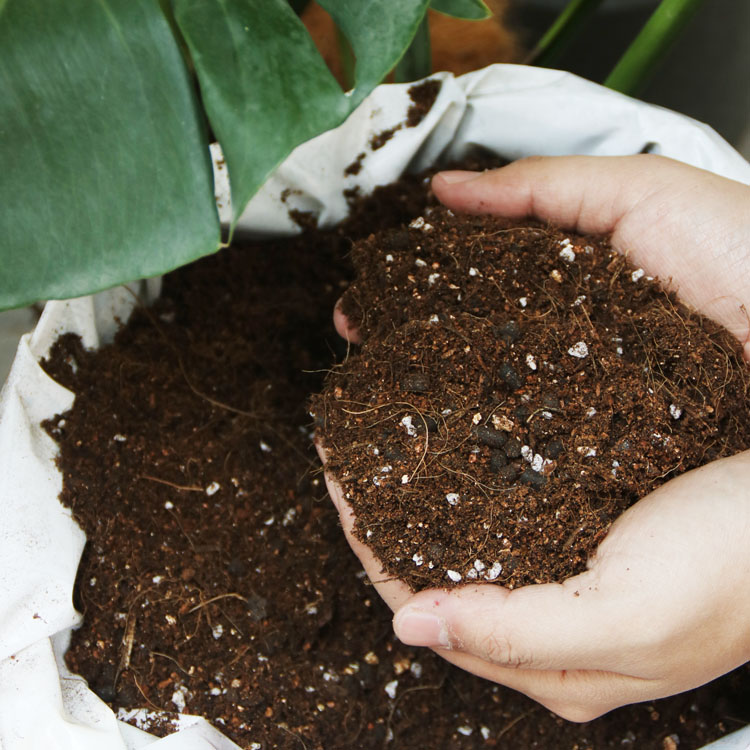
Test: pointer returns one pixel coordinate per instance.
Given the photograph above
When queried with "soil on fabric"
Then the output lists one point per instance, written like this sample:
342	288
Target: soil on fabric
216	580
518	388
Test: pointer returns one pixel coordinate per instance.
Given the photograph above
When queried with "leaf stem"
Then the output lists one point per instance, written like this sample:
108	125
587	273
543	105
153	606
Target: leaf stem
562	32
633	70
417	60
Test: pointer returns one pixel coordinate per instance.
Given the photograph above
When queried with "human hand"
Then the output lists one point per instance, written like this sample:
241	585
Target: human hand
660	608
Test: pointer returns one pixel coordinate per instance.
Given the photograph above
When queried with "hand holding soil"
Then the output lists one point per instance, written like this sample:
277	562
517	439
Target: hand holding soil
662	606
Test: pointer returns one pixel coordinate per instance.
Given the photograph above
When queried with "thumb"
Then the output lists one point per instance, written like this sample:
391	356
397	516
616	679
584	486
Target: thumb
547	627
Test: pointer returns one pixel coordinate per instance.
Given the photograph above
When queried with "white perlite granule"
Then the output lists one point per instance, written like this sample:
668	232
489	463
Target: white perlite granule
579	350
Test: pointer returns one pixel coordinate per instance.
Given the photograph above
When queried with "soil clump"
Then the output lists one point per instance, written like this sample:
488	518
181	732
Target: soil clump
216	580
518	388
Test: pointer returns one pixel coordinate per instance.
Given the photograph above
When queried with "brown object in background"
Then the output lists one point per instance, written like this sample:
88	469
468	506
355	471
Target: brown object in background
458	46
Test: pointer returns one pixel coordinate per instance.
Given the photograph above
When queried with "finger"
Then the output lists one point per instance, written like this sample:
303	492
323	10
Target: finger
343	327
684	225
575	695
543	627
393	591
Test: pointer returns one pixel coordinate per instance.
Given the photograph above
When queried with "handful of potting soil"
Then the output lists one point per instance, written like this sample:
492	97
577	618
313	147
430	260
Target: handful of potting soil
518	387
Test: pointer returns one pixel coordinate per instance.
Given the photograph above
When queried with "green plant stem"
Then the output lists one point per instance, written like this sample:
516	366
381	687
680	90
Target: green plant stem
634	68
562	32
346	57
417	60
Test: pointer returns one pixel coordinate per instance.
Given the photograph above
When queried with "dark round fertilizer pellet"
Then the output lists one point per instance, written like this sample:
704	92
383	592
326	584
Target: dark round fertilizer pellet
550	401
532	478
554	448
521	412
415	382
490	436
498	460
513	448
509	472
509	332
510	376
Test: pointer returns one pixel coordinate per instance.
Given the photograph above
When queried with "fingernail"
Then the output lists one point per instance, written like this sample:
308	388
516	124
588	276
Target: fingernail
458	175
417	628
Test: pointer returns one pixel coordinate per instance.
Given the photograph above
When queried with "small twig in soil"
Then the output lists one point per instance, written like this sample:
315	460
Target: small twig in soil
172	659
182	487
294	734
403	694
515	721
216	598
145	697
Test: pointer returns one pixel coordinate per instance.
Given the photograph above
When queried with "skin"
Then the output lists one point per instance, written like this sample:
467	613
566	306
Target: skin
664	605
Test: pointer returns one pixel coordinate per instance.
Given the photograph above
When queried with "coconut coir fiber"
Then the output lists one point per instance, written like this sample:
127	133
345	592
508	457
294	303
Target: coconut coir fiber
518	388
215	578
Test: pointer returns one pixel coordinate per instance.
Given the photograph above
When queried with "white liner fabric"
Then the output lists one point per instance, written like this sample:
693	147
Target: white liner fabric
513	110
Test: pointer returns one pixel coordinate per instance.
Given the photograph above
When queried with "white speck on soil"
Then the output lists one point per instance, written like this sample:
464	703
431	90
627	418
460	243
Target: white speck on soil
411	430
586	451
485	732
119	438
369	533
567	254
494	572
213	488
391	688
578	300
531	361
473	271
431	279
537	463
675	411
217	630
526	452
556	275
471	573
523	301
434	318
389	258
454	575
418	559
452	498
479	565
477	418
465	731
289	516
590	412
169	505
179	698
637	274
157	579
579	350
265	447
419	262
416	669
417	223
404	479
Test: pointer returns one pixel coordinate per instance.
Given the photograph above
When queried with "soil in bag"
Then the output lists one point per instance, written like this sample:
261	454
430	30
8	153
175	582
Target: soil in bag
216	580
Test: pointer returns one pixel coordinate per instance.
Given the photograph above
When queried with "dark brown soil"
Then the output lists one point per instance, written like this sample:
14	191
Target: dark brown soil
215	576
518	389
